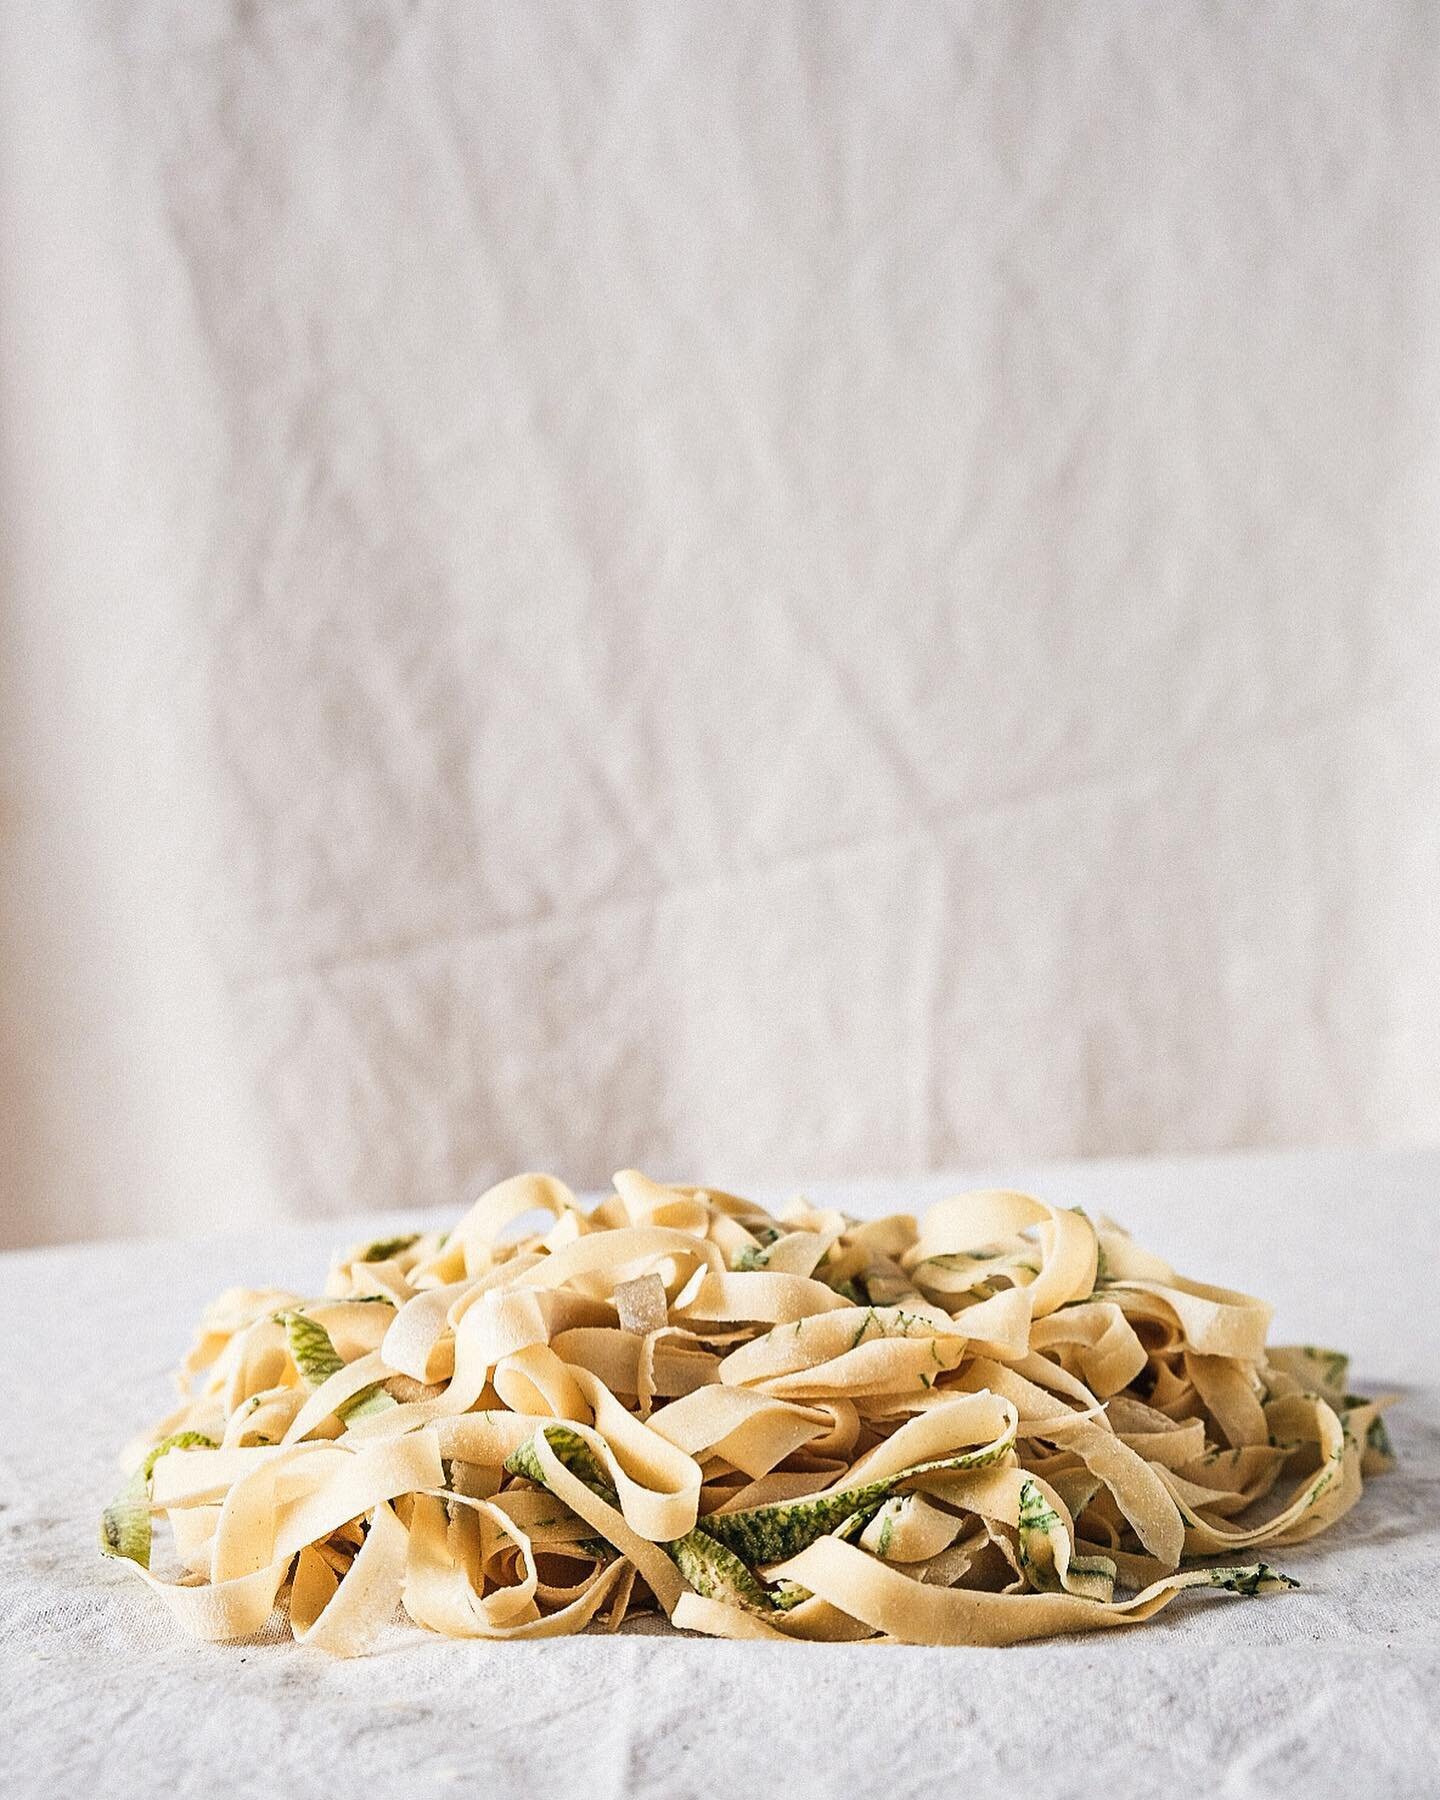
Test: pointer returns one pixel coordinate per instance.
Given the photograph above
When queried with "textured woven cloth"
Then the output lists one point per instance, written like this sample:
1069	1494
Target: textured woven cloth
762	586
1296	1694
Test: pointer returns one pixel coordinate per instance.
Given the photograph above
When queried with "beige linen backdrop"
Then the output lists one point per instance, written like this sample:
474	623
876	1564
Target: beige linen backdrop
772	590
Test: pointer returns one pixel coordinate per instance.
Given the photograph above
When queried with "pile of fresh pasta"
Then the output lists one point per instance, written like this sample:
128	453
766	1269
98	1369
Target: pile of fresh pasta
1000	1423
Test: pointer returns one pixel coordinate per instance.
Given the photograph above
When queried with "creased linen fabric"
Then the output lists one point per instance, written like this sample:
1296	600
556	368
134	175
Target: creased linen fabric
733	587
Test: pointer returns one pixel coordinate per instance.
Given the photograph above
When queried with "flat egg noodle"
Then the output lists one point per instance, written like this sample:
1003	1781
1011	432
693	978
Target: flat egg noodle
996	1423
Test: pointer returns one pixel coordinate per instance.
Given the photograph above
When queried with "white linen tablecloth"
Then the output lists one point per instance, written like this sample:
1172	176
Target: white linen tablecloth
1308	1693
790	586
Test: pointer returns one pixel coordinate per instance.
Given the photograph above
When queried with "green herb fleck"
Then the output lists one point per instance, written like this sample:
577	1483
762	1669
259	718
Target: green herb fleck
125	1523
317	1359
384	1248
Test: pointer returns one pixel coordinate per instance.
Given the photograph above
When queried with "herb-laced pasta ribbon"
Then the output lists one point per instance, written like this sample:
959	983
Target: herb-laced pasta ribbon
999	1423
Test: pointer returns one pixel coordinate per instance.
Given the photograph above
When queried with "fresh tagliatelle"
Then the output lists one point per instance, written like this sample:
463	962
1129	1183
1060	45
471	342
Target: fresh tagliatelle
1001	1423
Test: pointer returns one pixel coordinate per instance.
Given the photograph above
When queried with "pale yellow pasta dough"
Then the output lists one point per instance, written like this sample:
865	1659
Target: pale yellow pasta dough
998	1423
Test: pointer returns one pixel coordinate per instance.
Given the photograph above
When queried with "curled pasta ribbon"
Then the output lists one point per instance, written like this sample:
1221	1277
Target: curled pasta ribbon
996	1423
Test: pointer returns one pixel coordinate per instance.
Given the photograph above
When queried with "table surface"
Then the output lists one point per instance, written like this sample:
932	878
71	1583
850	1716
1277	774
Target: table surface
1308	1692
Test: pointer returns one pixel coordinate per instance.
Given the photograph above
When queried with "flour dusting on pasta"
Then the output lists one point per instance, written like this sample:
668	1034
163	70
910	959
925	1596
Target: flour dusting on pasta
1001	1422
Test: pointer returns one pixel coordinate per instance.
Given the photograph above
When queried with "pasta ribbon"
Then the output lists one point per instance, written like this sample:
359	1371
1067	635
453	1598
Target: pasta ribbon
996	1423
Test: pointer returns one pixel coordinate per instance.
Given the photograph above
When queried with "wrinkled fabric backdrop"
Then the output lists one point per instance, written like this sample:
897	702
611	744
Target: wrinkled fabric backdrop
765	590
